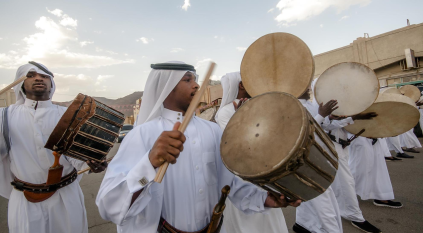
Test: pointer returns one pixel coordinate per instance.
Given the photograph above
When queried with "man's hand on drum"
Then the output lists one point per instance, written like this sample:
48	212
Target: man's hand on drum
279	202
240	103
364	116
328	108
97	167
167	147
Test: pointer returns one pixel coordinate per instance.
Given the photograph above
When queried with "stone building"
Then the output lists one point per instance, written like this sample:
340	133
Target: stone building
395	56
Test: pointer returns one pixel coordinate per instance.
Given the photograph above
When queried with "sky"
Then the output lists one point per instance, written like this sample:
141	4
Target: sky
105	48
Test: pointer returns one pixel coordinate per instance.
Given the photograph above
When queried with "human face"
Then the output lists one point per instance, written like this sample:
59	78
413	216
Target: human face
182	95
37	86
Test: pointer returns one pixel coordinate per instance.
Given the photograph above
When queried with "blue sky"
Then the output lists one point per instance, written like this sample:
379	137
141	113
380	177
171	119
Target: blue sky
105	48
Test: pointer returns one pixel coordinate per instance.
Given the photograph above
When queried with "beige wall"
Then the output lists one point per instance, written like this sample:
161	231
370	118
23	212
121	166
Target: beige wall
7	98
382	53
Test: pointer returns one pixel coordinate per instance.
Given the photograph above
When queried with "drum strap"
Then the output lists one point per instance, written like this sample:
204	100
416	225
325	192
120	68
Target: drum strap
5	128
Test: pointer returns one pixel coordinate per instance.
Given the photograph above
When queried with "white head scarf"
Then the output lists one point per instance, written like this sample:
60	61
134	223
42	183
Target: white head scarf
23	71
159	85
230	85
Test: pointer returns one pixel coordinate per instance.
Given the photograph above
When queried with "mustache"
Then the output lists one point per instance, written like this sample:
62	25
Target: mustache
39	83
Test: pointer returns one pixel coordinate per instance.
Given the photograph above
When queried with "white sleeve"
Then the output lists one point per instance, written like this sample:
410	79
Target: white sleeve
329	125
129	172
319	119
6	175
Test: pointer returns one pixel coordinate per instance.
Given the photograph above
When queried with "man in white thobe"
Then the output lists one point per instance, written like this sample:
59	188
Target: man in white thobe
236	221
29	124
370	172
184	200
394	144
344	185
409	141
321	214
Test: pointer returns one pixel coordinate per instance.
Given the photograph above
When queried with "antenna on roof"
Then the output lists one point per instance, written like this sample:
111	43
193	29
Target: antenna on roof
408	22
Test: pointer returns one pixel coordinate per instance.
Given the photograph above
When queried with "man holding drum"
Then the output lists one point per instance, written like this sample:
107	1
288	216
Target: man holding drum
184	201
320	214
26	126
235	221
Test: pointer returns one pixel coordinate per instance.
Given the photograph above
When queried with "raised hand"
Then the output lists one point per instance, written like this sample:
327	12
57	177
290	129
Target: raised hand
328	108
240	103
167	147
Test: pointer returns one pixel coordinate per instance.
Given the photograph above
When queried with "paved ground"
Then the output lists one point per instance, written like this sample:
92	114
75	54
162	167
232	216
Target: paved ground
406	177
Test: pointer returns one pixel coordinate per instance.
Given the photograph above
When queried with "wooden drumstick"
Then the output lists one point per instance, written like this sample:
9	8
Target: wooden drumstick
187	118
87	169
13	84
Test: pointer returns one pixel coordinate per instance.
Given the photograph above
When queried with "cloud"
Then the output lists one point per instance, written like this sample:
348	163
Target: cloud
241	48
52	47
271	10
298	10
144	40
84	43
1	38
321	25
186	5
220	38
56	12
344	17
68	21
176	50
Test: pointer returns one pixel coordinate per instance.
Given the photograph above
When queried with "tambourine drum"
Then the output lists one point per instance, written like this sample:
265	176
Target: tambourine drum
411	92
87	130
354	85
390	90
208	114
273	142
277	62
396	115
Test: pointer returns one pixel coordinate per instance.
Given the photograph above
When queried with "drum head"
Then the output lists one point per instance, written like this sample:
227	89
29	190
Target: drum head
396	115
263	134
354	85
277	62
411	92
208	114
390	90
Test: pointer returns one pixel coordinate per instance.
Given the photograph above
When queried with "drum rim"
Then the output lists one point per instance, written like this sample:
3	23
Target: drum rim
313	63
292	153
378	84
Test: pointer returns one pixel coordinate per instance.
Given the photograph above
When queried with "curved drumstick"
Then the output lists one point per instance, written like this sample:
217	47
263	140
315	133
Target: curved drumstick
187	118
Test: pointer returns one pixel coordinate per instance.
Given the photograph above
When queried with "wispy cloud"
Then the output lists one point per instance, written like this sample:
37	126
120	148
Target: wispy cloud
56	12
241	49
177	50
186	5
144	40
321	25
344	17
298	10
85	43
271	10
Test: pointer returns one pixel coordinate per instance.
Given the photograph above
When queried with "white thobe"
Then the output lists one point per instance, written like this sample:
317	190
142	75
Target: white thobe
29	161
190	189
321	214
235	220
369	169
409	139
344	184
394	144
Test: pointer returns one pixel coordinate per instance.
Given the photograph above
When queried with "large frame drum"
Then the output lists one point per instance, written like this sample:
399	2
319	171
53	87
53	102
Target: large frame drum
273	142
354	85
87	130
